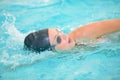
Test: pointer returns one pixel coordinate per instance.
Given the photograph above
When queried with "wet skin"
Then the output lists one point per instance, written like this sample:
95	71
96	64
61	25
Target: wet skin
66	41
89	31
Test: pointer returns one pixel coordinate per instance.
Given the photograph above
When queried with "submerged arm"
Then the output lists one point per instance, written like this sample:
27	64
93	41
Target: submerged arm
95	30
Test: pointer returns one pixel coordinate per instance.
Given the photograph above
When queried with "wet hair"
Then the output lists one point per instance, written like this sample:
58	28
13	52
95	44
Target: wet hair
37	41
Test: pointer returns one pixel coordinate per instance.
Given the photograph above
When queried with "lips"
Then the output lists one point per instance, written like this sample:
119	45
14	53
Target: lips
69	40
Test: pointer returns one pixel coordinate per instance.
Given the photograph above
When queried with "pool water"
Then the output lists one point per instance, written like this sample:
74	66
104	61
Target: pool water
94	62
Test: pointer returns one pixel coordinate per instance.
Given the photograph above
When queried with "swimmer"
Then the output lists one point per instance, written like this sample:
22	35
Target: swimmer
52	38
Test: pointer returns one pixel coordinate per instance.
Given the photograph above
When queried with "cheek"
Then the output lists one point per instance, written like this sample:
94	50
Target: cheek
63	44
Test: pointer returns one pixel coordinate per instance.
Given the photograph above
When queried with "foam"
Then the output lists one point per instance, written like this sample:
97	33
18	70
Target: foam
17	60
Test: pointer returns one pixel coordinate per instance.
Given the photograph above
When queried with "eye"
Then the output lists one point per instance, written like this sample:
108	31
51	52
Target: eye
58	39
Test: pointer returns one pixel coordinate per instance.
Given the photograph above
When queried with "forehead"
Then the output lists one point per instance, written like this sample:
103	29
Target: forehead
52	32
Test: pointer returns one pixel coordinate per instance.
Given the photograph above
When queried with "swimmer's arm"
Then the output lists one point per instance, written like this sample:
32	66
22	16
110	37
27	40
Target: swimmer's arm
96	30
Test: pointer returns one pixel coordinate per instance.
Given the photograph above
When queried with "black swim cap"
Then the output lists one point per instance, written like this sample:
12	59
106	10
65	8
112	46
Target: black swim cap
37	41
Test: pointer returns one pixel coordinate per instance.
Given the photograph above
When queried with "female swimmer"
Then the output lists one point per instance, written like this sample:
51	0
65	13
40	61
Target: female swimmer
52	38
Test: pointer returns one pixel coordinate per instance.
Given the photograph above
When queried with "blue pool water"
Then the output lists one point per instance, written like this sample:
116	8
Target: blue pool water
94	62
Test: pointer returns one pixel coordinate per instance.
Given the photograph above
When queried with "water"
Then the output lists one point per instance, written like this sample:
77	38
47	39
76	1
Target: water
95	62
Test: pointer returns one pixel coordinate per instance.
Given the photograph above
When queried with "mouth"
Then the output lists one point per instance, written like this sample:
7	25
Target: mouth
69	40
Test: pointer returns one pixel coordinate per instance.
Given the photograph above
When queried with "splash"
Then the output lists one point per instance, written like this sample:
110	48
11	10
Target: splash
18	60
12	54
9	28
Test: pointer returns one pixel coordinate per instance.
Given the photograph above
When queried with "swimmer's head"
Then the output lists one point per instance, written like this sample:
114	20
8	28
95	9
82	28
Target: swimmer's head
37	41
48	39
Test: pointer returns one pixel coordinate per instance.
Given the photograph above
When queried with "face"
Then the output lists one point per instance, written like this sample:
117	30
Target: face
60	40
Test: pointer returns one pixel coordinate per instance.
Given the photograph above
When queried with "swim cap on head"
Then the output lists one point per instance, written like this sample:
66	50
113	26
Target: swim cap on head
37	41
